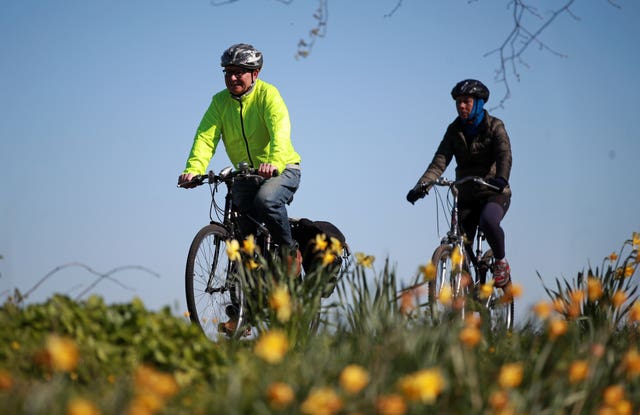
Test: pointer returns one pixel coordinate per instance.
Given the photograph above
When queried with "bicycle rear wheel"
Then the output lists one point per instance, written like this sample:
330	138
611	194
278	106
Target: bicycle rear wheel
214	295
500	304
449	278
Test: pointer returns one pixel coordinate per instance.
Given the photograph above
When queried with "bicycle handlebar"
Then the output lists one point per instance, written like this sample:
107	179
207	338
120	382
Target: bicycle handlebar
226	174
442	181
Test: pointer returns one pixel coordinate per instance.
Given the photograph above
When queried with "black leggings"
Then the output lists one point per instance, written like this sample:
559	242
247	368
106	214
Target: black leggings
487	216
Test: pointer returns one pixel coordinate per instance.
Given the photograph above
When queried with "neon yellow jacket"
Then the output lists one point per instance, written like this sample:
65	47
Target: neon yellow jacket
254	128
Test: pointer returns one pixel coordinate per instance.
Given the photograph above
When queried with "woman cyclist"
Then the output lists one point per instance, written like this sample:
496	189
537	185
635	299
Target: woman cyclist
481	147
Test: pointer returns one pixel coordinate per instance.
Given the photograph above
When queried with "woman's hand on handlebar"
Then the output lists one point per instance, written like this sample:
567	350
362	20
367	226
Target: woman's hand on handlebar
184	180
267	170
418	192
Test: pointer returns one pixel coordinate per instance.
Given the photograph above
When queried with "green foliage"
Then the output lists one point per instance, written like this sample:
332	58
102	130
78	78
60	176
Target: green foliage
529	370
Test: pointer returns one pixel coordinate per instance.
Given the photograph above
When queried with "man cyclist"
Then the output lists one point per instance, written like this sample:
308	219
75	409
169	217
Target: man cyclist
252	120
481	147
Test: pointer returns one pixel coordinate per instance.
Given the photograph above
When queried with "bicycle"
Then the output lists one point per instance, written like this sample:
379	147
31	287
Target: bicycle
213	281
453	267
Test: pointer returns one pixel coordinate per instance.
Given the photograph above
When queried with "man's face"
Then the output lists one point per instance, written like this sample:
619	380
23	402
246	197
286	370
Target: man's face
464	105
238	80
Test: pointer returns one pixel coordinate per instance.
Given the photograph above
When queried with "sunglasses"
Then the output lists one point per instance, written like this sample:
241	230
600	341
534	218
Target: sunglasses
237	72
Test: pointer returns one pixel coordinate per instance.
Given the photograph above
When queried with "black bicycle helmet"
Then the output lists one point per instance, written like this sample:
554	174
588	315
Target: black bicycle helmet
243	55
471	87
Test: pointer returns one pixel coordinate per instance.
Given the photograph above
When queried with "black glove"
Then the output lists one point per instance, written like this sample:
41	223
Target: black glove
499	182
418	192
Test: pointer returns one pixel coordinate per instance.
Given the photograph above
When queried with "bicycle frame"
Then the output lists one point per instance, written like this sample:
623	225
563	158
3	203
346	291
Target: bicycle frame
454	236
444	257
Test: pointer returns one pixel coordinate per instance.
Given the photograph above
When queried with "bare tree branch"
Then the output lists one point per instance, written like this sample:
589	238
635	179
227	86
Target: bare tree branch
520	38
395	8
510	52
101	277
321	16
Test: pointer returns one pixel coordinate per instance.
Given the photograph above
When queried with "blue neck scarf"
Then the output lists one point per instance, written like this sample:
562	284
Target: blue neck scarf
475	117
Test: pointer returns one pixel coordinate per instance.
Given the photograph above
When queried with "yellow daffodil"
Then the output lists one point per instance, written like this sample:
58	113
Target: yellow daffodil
364	260
249	245
81	406
576	296
634	312
392	404
513	291
328	257
456	257
635	240
470	336
62	353
557	328
280	395
145	403
6	380
499	400
613	394
429	271
618	298
280	301
424	385
559	305
336	245
594	289
233	250
574	309
613	257
321	401
510	375
320	242
578	371
252	264
623	407
543	310
631	363
486	290
446	295
272	346
629	270
151	381
473	320
353	379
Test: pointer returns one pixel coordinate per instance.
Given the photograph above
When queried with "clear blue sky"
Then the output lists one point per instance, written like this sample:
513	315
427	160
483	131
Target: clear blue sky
100	101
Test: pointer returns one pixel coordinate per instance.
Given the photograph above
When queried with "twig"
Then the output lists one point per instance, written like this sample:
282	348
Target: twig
101	276
519	40
321	16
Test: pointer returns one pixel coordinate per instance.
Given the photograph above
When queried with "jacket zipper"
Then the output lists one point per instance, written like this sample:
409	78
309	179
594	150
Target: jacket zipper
244	136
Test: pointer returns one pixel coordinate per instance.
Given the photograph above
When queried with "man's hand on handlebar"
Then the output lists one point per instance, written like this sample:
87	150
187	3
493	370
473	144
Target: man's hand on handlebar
267	170
184	180
418	192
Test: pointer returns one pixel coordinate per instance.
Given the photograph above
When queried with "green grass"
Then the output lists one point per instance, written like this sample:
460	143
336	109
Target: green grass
136	361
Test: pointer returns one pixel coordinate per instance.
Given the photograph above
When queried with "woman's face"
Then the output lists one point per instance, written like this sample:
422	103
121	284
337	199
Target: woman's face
464	106
238	80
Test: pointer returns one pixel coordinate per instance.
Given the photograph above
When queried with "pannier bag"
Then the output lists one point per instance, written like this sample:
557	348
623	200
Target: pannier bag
304	231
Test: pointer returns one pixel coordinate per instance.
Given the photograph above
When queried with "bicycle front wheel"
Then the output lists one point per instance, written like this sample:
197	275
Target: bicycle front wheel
214	294
500	304
448	289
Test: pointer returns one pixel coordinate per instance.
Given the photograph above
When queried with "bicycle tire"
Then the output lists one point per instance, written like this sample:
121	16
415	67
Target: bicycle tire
441	259
500	305
214	296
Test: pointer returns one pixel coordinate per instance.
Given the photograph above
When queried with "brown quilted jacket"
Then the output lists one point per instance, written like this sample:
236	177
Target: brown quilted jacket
487	155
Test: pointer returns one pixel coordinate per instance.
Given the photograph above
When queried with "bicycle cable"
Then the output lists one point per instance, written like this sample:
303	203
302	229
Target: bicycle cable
442	206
